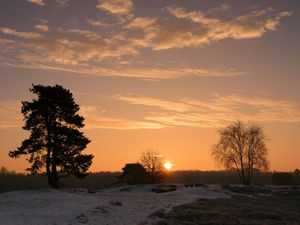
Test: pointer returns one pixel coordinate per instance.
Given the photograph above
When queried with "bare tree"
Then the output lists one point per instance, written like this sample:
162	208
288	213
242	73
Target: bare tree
152	162
242	146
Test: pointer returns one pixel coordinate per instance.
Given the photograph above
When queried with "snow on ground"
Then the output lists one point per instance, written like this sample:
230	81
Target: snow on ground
130	205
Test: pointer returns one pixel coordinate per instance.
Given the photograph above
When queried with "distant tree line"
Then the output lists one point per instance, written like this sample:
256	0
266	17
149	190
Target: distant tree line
286	178
14	181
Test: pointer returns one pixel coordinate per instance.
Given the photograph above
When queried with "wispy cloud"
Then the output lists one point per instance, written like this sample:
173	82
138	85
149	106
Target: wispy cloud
163	104
85	46
250	25
96	120
5	41
217	111
87	51
89	35
10	115
38	2
116	7
219	8
160	34
61	3
64	64
11	118
83	53
97	23
162	113
42	27
22	34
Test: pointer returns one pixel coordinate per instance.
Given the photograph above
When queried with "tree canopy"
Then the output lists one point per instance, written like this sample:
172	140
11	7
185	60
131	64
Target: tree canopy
242	146
152	162
55	142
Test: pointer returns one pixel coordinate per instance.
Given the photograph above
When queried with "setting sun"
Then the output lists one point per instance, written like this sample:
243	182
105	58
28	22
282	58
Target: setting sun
168	165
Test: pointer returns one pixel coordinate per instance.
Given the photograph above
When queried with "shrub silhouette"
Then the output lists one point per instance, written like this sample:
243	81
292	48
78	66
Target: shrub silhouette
134	173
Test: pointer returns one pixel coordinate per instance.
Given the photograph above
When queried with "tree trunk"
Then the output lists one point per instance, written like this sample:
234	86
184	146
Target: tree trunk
54	170
48	170
243	171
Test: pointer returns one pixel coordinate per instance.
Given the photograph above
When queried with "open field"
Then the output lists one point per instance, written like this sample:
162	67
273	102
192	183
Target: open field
281	207
153	205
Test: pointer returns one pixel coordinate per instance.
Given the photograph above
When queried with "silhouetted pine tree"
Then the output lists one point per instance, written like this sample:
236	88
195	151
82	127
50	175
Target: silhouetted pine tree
55	141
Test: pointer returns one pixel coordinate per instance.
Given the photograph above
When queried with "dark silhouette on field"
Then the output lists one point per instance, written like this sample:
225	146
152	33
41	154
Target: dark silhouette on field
55	141
134	173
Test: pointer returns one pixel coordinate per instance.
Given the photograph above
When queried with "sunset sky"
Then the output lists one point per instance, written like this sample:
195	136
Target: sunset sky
163	75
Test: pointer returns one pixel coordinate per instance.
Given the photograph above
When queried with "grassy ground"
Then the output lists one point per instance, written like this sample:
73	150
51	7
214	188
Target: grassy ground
281	208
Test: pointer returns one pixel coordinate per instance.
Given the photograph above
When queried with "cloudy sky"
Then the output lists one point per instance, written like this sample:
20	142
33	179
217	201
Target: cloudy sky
161	74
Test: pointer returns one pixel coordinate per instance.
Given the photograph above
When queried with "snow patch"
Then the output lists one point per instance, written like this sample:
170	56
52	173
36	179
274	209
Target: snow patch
127	205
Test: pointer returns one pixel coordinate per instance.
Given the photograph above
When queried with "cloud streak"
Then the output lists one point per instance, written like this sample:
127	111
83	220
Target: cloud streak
22	34
217	111
42	27
10	115
96	120
11	118
162	113
116	7
195	28
67	65
37	2
97	23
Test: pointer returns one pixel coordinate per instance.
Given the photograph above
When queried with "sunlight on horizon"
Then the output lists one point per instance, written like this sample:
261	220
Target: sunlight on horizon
168	165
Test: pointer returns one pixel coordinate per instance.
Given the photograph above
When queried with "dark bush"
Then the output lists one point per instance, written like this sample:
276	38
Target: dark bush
283	178
134	173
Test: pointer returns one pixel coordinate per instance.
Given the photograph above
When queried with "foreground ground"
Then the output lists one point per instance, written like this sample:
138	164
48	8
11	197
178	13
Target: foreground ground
151	205
281	207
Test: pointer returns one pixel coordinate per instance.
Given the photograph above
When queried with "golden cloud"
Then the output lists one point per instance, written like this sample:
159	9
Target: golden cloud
160	34
217	111
86	50
97	23
162	104
59	63
251	25
214	112
42	27
117	7
38	2
26	35
89	35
